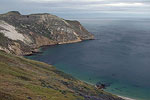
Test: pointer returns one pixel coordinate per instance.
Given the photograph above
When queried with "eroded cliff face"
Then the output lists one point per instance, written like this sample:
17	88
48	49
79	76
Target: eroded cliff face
22	34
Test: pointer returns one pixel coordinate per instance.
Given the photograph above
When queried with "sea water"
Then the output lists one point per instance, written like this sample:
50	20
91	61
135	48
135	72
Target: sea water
119	56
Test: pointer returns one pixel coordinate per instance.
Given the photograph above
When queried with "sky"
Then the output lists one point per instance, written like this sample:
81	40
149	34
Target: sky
80	8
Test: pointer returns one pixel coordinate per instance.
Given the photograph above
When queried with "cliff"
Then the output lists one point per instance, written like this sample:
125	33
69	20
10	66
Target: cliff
23	79
22	34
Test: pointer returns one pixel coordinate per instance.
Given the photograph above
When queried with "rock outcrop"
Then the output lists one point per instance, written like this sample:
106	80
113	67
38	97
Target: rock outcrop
22	34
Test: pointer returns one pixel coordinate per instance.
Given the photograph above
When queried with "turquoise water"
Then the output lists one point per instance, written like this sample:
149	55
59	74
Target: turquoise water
119	56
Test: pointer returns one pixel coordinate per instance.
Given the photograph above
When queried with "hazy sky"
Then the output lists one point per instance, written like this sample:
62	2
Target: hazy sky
80	8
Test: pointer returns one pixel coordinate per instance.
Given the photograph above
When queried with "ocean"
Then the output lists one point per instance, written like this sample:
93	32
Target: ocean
119	56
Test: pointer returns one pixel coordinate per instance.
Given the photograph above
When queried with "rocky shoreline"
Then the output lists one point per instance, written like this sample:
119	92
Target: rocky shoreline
37	50
98	86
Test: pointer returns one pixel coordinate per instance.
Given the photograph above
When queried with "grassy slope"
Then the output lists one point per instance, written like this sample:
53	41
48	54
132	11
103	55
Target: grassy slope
23	79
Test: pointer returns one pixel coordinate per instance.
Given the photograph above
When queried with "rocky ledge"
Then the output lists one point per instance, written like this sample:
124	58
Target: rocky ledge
22	34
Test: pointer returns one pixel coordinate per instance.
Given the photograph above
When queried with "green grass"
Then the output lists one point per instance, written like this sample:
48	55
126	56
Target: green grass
22	79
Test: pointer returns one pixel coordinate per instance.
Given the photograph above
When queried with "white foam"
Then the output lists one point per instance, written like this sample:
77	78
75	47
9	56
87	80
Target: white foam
126	98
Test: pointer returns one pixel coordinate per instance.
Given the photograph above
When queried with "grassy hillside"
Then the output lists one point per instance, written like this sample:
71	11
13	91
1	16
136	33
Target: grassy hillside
23	79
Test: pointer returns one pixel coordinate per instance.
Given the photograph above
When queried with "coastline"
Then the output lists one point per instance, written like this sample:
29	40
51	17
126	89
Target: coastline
127	94
123	97
60	85
38	50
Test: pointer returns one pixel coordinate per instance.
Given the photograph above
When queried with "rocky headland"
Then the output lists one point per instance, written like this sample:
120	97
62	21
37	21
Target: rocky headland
23	34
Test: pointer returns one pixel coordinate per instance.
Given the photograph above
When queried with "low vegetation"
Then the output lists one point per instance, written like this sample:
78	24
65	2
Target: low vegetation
23	79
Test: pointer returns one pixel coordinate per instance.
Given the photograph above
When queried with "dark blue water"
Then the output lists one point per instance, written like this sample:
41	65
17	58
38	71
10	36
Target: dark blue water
120	56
